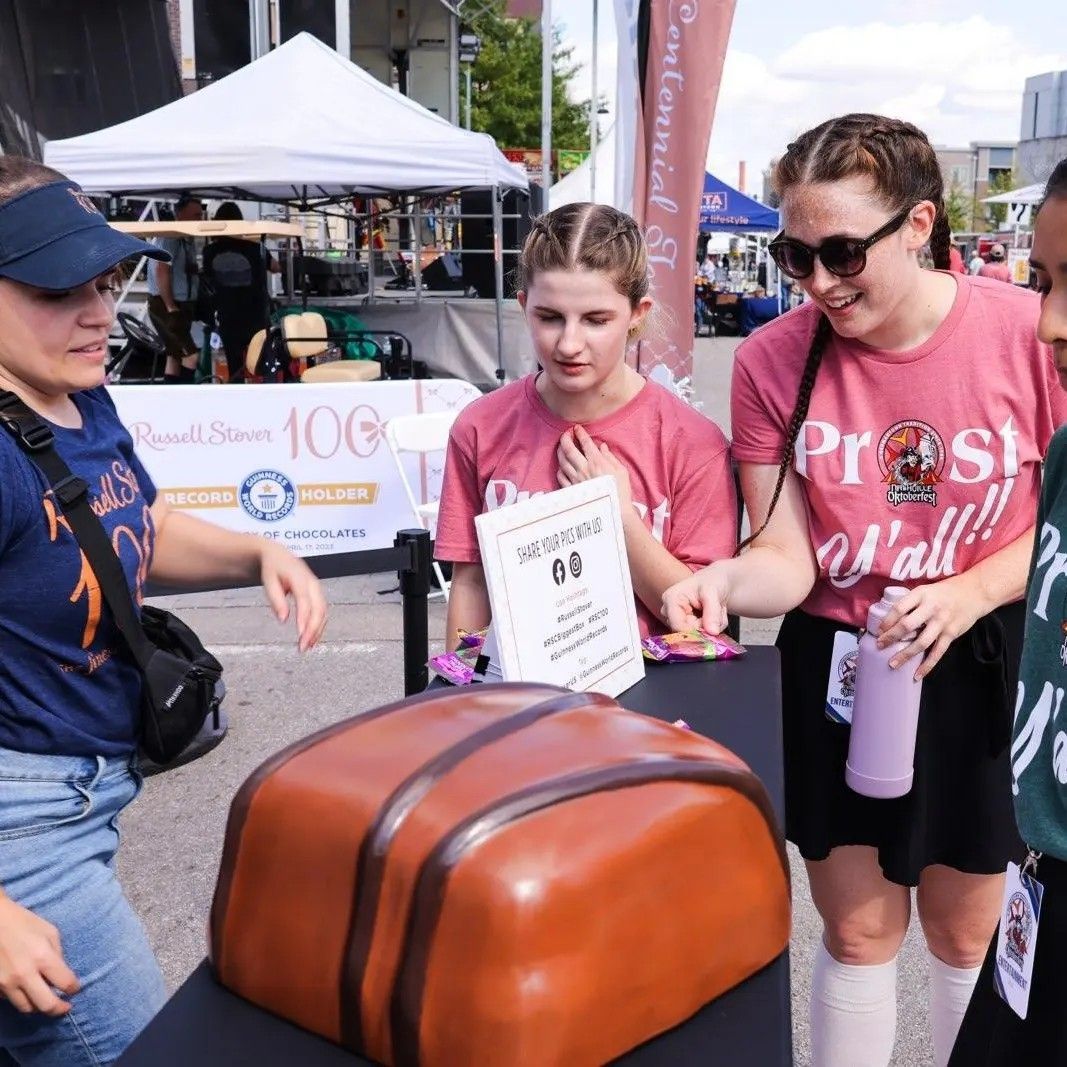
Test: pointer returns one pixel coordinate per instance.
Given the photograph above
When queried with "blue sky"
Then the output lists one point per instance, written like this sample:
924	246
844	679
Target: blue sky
957	70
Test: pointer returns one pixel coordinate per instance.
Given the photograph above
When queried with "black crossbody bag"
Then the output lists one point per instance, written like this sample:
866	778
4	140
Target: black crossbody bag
182	691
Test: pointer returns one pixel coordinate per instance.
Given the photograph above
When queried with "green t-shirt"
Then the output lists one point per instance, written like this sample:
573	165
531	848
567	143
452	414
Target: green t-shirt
1039	744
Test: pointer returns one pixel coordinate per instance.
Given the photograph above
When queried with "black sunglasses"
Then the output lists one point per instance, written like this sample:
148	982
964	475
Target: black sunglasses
844	257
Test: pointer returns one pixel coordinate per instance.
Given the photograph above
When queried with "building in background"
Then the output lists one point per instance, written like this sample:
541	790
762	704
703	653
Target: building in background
1043	133
770	197
411	45
977	171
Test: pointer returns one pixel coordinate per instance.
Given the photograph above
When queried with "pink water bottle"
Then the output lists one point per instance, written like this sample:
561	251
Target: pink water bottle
885	711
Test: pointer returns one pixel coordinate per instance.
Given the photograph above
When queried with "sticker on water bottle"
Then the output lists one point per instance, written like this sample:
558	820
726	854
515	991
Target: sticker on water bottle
841	688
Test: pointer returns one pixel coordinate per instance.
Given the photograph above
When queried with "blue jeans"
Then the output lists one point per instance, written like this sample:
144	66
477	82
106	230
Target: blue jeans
58	838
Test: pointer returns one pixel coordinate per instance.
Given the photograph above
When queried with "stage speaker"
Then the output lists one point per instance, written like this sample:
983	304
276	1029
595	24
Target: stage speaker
221	35
478	236
312	16
444	272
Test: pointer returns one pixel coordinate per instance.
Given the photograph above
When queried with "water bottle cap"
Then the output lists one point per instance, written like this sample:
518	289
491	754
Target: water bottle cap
892	594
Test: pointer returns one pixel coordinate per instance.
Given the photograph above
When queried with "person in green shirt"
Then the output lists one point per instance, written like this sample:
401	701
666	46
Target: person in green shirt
992	1032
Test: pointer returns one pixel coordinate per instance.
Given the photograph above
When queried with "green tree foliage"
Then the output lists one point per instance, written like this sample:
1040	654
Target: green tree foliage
506	85
960	209
1001	183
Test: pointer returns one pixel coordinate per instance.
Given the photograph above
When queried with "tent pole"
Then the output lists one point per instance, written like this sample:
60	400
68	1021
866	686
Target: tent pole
417	261
149	211
546	97
259	28
593	112
343	28
371	280
498	278
303	273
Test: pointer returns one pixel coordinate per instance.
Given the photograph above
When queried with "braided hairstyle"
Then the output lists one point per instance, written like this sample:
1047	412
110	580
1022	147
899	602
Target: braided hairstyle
900	162
591	237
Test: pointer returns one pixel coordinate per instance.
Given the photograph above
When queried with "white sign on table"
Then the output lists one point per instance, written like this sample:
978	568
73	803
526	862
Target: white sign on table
560	591
305	465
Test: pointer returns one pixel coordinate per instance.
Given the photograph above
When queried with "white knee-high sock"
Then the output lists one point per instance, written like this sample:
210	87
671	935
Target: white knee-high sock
950	993
853	1013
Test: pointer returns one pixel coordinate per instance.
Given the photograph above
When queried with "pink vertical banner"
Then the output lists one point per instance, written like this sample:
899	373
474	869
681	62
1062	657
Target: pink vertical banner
686	48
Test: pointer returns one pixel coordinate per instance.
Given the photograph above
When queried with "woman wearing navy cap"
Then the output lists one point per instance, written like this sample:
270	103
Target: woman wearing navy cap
78	980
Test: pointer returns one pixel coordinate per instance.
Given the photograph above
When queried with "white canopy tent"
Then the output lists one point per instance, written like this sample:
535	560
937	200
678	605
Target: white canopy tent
1027	194
300	124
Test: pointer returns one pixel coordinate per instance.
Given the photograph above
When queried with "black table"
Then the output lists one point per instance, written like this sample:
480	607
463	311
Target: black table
738	703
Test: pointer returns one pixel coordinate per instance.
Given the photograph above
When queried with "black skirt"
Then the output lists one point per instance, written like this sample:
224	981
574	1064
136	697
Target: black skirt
992	1034
959	811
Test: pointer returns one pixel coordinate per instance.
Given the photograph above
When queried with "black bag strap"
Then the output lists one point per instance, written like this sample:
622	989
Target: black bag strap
34	436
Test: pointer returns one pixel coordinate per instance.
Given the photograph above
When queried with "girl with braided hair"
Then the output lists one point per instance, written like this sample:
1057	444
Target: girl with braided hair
889	432
583	286
993	1035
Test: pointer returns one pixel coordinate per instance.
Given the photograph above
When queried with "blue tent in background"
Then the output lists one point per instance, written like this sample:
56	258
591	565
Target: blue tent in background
725	210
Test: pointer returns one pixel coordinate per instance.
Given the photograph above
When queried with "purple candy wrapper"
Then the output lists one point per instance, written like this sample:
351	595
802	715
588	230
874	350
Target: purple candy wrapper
458	667
694	645
471	639
453	669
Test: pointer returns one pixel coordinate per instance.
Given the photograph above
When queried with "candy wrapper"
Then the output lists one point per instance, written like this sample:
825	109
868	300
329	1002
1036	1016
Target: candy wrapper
453	668
458	667
694	645
473	639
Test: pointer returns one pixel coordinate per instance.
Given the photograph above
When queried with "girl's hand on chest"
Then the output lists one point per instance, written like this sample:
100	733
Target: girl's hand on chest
581	459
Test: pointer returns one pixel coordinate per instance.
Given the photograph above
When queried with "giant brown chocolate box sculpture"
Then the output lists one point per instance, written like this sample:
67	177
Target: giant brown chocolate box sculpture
505	875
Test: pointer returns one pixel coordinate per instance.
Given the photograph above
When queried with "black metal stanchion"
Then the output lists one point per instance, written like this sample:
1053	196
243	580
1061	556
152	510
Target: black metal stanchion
415	589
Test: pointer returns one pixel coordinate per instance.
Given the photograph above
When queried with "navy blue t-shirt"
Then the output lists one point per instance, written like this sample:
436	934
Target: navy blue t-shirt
68	685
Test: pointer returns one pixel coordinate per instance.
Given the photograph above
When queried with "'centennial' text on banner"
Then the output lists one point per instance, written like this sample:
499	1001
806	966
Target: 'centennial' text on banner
682	72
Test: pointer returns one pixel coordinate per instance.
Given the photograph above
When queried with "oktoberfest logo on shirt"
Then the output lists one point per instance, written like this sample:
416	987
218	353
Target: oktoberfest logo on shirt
912	457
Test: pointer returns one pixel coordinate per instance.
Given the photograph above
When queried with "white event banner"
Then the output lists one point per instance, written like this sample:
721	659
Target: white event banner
305	465
560	591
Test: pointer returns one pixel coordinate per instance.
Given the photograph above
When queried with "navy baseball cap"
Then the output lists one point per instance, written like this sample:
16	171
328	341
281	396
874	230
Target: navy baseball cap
54	237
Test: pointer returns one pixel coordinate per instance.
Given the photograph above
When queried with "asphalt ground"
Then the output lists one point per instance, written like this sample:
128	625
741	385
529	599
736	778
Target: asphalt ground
172	835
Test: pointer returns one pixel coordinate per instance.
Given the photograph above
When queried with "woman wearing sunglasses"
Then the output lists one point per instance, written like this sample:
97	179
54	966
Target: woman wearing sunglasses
890	432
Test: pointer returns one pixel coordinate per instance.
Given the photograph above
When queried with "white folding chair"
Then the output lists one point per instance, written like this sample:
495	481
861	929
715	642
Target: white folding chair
421	435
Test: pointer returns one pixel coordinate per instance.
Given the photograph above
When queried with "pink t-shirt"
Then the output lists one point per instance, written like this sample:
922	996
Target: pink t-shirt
916	464
503	449
995	269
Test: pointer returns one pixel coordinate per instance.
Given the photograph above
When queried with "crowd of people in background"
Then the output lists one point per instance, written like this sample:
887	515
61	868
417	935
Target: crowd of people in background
995	266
